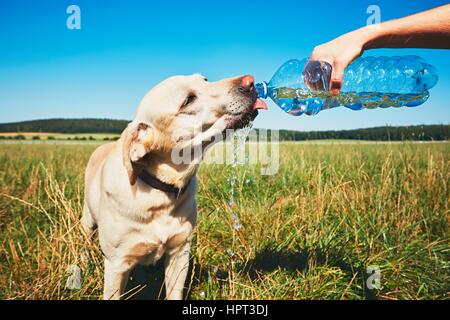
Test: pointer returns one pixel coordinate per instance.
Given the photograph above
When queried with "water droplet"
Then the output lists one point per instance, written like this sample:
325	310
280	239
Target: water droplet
230	253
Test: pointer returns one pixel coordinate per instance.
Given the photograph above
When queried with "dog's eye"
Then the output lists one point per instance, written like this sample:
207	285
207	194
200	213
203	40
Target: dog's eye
190	98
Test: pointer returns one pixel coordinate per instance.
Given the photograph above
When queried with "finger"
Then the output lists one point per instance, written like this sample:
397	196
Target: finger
337	76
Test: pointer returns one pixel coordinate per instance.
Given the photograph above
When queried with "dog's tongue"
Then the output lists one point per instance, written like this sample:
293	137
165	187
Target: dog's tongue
259	104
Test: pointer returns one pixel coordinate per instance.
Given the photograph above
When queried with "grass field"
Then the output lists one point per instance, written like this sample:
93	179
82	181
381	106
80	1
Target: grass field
309	232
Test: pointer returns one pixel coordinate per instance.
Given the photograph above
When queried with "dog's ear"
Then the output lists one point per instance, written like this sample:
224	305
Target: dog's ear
137	142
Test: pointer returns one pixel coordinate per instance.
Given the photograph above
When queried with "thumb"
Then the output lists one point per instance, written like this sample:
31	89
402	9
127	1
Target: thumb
337	75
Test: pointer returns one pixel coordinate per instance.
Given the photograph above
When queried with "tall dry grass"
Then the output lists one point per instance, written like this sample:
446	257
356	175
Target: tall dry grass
309	232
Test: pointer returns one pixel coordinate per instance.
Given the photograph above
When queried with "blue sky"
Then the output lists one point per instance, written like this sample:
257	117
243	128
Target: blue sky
126	47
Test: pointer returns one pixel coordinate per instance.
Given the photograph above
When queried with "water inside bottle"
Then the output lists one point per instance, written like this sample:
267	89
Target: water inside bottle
299	101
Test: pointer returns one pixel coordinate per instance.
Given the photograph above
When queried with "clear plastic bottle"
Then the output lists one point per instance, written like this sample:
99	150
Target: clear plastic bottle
302	86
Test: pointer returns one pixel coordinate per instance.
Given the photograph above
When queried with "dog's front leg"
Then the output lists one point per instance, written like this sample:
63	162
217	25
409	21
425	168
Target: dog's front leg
176	269
116	276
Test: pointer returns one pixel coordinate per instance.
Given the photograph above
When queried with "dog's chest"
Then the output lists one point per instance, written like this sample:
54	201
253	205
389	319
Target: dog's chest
141	204
164	234
148	223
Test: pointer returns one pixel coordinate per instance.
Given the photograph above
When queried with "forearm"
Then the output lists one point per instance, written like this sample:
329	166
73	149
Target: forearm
428	29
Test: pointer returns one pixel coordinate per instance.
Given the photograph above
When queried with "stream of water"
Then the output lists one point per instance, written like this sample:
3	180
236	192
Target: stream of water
239	158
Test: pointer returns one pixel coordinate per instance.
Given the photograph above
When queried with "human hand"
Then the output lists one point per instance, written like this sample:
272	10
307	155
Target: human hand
339	53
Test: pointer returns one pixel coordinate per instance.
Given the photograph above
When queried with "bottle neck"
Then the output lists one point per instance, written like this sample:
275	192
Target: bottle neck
262	90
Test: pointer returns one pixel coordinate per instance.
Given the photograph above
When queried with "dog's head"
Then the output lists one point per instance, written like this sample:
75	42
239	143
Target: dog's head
188	110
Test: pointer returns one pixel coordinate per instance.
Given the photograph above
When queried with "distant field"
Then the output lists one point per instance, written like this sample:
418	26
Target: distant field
309	232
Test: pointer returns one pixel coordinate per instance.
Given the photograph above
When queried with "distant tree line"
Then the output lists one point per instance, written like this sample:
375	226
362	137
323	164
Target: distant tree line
66	126
386	133
19	136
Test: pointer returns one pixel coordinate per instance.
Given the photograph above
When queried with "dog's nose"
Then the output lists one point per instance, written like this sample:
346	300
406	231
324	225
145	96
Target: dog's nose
246	83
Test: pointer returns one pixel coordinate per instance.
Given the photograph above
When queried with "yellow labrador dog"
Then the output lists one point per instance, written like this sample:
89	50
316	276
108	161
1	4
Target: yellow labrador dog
139	194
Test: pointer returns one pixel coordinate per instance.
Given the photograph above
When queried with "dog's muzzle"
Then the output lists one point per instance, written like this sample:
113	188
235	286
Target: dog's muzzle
245	107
